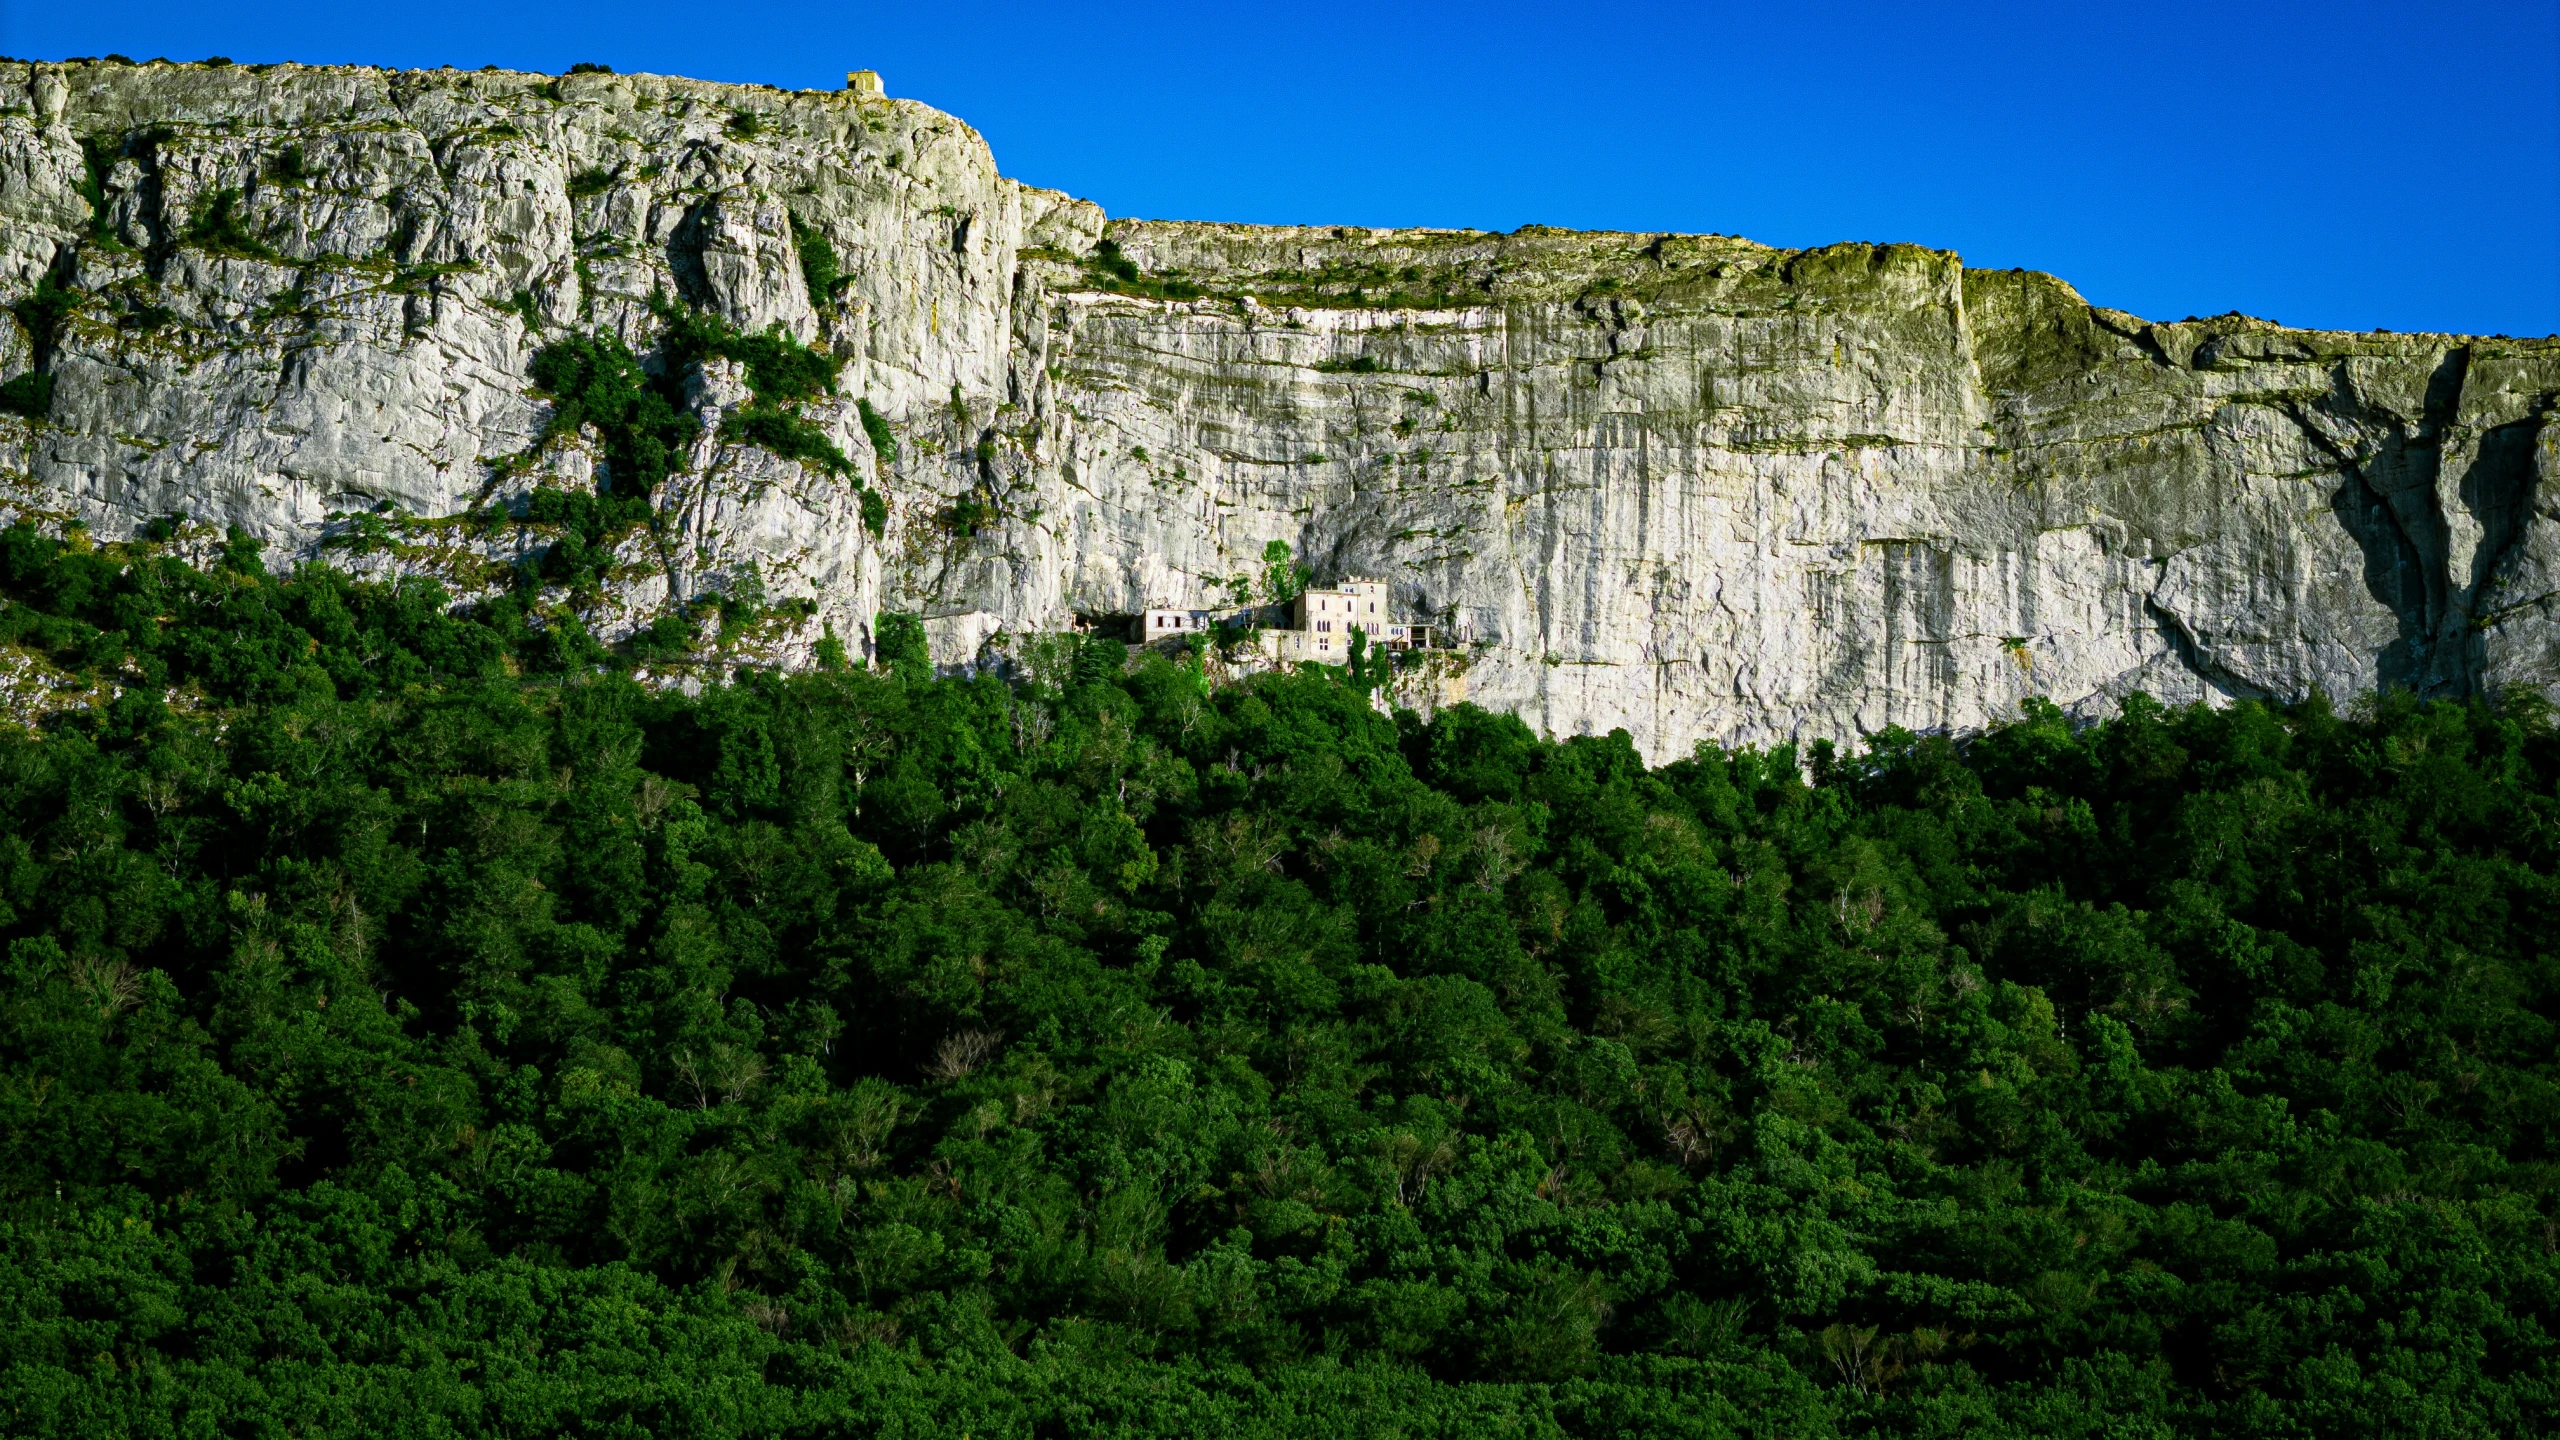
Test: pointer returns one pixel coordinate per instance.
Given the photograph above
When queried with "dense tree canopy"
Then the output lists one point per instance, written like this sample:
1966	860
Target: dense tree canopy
423	1028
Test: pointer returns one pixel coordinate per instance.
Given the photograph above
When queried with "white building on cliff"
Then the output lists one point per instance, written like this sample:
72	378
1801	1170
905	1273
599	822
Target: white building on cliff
1322	621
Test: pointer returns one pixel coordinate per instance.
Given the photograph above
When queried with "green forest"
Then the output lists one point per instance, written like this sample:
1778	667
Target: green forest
423	1026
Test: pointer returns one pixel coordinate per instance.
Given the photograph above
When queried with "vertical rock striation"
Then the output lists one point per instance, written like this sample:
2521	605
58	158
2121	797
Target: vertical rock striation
1686	485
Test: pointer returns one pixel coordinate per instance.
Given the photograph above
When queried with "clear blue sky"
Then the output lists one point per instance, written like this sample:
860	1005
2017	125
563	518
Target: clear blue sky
2339	164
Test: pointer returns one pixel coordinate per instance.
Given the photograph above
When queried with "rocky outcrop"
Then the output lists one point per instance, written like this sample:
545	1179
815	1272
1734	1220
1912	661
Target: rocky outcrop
1686	485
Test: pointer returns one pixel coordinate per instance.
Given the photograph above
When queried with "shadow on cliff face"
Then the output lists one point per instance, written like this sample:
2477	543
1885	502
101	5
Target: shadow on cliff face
2395	572
685	244
2390	502
2499	489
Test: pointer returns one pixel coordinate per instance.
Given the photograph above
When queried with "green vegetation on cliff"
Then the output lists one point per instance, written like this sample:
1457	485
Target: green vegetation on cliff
419	1031
639	410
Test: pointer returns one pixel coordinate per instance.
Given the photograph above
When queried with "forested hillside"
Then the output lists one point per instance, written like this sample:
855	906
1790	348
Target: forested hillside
423	1027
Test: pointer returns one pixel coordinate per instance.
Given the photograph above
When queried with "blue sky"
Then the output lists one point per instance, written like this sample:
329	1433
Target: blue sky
2343	164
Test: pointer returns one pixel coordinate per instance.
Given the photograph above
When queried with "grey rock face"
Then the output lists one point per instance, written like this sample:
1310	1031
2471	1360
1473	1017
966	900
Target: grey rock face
1686	485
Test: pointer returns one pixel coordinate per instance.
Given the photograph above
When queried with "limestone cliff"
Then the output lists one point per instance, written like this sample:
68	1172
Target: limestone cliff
1688	485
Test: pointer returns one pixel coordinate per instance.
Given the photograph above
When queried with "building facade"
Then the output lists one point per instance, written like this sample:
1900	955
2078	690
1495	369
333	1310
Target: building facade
1160	625
1321	622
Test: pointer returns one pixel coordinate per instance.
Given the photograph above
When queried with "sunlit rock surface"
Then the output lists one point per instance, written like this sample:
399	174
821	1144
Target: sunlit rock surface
1685	485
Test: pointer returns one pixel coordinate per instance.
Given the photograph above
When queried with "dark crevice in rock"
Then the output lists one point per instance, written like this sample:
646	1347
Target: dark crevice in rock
2392	503
2449	668
150	200
2394	563
684	257
2151	347
2444	390
2499	488
2389	503
2140	333
2198	660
